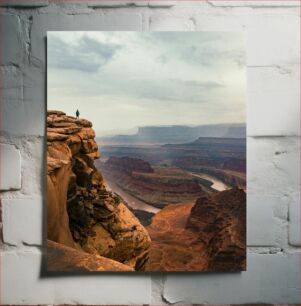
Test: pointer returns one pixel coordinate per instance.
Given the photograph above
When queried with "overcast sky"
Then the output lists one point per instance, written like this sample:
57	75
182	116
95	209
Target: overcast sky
123	80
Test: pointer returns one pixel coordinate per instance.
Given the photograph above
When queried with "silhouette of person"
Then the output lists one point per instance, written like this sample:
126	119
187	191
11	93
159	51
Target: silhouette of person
77	114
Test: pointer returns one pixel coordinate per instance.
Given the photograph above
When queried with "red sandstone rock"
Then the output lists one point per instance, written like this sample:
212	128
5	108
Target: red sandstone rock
61	258
82	214
207	236
175	248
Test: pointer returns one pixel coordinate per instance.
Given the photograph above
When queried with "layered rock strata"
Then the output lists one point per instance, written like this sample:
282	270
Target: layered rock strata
129	165
158	186
61	258
82	214
220	222
207	236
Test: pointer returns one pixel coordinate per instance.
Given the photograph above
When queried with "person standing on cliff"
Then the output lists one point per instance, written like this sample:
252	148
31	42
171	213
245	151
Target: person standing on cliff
77	114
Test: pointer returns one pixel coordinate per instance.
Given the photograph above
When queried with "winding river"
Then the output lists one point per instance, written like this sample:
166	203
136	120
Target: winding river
129	199
217	184
140	205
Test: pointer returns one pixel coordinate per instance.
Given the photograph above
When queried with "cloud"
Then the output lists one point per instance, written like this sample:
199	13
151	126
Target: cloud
162	59
173	90
136	78
209	56
169	90
87	55
199	48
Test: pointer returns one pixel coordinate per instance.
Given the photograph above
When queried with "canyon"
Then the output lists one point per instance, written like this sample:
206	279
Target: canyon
143	208
158	186
202	231
224	159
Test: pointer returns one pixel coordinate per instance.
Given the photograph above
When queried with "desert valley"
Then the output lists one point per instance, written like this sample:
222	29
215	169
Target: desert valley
168	198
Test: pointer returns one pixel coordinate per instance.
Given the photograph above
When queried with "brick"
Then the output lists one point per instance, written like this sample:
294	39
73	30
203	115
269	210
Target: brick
268	37
22	283
273	165
268	279
160	3
10	160
23	101
250	3
11	86
139	3
33	150
22	221
170	23
260	219
294	220
31	120
21	279
11	98
115	4
12	46
108	4
157	288
278	89
24	3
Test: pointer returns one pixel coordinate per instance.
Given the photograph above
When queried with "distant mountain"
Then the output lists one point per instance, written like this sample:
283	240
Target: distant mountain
176	134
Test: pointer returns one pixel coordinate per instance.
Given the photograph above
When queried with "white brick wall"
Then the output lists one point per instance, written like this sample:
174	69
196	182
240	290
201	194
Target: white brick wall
24	3
24	284
273	97
270	278
294	220
10	171
14	45
20	214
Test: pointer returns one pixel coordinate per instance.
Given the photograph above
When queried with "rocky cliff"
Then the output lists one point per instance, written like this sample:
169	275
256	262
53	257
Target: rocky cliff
82	214
220	222
207	236
61	258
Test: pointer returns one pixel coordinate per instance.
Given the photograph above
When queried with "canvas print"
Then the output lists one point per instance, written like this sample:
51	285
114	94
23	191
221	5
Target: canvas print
146	151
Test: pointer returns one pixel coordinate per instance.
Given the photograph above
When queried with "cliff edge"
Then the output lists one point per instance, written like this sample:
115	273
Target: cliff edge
209	235
220	221
82	214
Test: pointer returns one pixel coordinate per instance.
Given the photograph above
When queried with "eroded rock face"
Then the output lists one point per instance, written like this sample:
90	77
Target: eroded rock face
220	221
81	212
175	248
61	258
207	236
